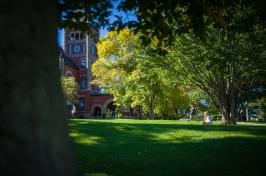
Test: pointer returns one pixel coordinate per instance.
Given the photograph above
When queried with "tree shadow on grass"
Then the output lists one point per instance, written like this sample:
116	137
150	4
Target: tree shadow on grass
143	149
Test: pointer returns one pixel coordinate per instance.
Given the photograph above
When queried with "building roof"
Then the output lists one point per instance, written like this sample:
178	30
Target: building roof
67	60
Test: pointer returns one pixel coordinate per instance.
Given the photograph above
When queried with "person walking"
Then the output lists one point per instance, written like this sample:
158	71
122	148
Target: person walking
192	113
112	114
103	115
73	111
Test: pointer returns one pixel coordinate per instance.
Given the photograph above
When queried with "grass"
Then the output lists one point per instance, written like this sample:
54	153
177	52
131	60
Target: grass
161	147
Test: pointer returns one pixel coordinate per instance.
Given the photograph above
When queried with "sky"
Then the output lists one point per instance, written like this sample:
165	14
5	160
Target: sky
103	31
60	37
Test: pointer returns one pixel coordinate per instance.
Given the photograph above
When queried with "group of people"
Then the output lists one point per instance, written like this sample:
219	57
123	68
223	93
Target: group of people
111	115
193	116
104	115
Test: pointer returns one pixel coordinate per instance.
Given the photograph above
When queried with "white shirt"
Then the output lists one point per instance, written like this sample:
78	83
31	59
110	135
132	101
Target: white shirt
73	109
208	119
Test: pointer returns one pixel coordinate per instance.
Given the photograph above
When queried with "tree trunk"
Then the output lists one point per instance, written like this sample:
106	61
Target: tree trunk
247	115
139	112
34	138
151	108
228	110
228	115
226	101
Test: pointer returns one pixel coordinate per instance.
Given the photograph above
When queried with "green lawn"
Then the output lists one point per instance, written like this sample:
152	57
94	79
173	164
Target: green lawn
150	148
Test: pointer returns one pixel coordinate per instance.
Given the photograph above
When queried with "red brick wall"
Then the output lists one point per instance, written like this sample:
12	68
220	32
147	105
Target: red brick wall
69	69
95	101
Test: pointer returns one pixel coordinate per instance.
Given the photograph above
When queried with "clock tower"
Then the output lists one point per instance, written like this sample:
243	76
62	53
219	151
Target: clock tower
81	49
79	53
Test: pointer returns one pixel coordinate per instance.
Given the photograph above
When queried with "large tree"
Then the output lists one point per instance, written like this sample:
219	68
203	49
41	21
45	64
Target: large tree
34	136
226	66
33	131
134	77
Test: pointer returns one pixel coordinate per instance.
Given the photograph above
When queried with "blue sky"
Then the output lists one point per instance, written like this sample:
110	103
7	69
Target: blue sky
103	31
60	37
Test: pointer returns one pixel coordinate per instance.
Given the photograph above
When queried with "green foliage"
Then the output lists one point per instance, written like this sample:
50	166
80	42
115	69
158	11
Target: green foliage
70	88
260	105
162	19
84	15
167	18
229	53
226	66
134	76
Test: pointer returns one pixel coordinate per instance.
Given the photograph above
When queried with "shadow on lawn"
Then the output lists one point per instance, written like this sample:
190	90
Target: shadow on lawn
131	149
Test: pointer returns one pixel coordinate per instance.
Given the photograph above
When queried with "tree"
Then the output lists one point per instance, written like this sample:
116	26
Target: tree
116	60
161	18
70	88
34	136
84	15
133	76
166	18
226	66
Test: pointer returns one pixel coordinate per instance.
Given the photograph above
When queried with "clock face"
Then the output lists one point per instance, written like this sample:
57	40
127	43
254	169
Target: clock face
76	48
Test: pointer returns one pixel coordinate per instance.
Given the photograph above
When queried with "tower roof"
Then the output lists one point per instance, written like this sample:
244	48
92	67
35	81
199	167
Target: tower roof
67	60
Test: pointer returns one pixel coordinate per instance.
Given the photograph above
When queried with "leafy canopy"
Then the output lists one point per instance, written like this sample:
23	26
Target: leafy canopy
133	75
70	88
227	66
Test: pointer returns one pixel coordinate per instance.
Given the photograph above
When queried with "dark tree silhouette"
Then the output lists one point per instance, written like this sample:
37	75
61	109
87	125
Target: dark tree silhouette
33	132
167	18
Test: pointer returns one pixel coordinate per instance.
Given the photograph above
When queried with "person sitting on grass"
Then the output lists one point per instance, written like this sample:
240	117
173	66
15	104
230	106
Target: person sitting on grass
206	119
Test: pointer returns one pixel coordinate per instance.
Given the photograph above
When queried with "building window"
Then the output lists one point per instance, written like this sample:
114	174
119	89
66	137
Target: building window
83	83
92	52
83	63
77	36
81	36
68	74
82	103
69	51
72	36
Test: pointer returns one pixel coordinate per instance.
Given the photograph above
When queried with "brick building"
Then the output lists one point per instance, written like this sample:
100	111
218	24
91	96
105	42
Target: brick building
76	58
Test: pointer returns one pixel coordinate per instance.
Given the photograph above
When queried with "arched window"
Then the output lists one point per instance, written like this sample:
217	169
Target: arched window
68	74
77	36
72	36
81	36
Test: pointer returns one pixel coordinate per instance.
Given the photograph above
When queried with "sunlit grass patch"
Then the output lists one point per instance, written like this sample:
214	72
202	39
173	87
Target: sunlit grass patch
150	147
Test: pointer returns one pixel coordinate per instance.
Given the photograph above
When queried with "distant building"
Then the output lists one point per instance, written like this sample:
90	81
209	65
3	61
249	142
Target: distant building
75	59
